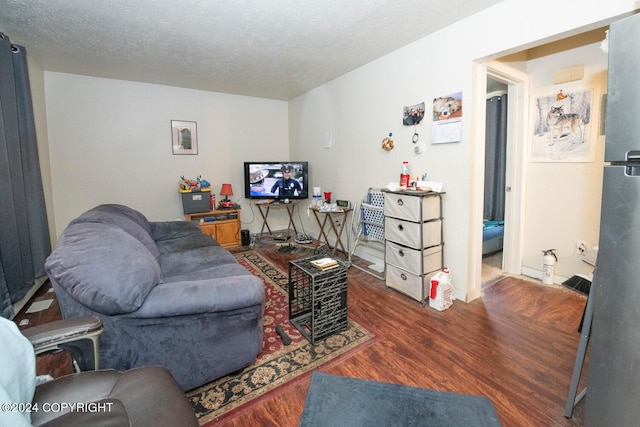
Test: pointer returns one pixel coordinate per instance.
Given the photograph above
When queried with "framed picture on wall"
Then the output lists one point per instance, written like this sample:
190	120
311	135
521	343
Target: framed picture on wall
563	125
184	137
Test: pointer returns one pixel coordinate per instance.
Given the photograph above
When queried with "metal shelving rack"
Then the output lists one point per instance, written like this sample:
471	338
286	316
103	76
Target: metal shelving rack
367	224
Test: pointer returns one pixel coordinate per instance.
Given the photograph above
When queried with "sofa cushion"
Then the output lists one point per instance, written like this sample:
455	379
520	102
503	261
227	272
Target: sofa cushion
172	246
171	230
103	267
130	220
192	261
178	236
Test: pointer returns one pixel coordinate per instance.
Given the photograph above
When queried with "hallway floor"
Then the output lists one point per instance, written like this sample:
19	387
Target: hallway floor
491	268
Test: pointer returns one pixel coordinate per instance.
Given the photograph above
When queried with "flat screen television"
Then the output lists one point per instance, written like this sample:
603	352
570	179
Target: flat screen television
276	180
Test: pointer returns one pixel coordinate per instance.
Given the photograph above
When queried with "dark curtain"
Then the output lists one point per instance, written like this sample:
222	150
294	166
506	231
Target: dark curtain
495	158
24	231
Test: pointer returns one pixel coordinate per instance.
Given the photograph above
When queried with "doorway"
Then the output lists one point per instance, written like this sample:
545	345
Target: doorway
493	218
498	76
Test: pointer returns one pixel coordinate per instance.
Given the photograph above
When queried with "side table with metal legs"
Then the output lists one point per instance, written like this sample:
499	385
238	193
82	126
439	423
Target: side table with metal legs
328	225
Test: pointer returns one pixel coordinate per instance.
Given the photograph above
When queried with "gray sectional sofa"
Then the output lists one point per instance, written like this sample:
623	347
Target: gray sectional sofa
167	294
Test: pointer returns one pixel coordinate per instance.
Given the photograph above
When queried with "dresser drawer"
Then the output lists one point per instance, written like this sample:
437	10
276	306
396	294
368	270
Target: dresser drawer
410	207
414	260
412	234
415	286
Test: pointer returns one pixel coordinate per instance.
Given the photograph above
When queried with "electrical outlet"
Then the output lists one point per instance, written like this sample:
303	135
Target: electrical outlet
581	247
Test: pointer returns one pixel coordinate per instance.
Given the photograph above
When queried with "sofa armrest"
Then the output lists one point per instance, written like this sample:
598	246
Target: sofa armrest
163	230
202	296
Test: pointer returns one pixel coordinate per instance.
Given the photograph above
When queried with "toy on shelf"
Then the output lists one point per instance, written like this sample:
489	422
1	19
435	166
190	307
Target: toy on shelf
203	182
199	184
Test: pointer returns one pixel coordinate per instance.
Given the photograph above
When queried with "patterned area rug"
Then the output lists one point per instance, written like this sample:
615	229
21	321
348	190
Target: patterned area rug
277	364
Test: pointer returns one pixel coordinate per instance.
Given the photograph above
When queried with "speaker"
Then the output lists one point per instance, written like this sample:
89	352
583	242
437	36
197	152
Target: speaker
245	238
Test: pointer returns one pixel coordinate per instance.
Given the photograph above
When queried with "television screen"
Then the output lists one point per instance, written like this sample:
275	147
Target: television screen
276	180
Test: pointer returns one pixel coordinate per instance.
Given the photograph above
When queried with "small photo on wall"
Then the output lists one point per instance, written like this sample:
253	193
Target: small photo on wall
413	114
447	107
184	137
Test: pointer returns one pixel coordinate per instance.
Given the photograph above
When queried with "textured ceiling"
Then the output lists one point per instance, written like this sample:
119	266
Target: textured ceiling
274	49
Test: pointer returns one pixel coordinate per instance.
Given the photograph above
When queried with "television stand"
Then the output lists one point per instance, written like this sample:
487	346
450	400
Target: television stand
264	209
221	224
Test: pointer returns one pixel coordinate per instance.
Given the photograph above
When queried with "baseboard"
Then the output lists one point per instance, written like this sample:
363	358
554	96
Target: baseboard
19	305
537	274
367	255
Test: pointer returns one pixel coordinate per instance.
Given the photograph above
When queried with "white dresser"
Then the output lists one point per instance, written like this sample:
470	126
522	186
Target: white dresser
413	240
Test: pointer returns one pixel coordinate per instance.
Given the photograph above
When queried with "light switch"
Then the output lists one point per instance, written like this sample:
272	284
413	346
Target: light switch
328	140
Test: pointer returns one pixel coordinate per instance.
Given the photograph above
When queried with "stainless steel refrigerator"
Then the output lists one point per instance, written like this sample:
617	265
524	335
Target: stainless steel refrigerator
613	387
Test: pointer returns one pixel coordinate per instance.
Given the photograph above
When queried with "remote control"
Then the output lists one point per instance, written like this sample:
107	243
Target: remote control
286	340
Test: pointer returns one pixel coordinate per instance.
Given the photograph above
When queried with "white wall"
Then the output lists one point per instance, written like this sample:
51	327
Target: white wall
563	199
110	142
362	107
36	81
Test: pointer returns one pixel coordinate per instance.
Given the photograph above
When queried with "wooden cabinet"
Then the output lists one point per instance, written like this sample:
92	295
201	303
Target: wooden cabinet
222	225
413	240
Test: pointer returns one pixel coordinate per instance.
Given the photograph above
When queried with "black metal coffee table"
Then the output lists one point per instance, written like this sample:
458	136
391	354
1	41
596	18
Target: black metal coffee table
317	298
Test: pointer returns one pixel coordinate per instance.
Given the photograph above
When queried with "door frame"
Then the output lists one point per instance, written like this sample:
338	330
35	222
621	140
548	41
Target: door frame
517	145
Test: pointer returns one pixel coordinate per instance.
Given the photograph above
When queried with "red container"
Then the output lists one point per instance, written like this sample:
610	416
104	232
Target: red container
434	289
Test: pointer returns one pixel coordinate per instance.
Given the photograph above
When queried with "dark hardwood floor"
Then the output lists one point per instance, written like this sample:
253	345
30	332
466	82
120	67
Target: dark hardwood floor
516	345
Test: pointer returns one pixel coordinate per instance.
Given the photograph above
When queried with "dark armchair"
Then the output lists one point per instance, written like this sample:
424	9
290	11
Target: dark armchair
147	396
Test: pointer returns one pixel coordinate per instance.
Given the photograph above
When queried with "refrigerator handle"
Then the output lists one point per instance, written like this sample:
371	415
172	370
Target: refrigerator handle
633	156
631	163
632	170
